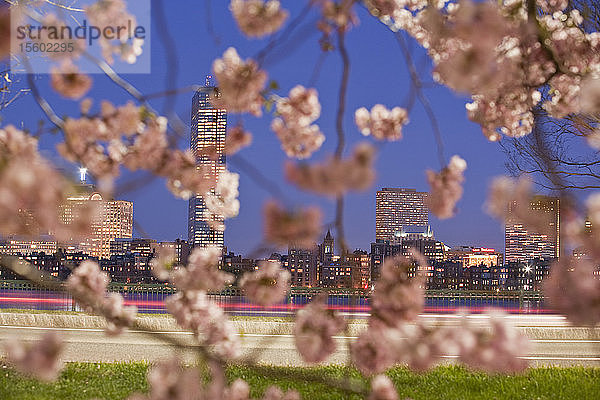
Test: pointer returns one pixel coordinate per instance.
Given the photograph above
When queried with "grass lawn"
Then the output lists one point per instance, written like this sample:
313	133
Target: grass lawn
117	381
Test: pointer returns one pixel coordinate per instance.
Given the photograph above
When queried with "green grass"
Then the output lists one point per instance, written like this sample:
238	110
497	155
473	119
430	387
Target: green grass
117	381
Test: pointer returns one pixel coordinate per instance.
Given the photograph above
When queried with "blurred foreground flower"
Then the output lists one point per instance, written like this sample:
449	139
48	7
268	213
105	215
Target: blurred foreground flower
299	228
446	188
314	329
336	176
258	18
240	83
39	359
267	285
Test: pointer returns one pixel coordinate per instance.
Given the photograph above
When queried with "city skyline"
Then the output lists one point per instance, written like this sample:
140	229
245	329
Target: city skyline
400	164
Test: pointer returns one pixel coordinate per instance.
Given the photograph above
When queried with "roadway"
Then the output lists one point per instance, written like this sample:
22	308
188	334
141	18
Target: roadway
554	343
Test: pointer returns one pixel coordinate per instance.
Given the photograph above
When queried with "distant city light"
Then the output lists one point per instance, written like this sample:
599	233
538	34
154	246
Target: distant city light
82	174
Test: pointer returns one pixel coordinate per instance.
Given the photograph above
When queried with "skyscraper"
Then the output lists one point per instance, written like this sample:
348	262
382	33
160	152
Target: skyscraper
207	142
522	244
397	208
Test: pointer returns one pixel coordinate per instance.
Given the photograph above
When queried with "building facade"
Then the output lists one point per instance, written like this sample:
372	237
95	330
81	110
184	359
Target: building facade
111	219
207	143
523	244
396	208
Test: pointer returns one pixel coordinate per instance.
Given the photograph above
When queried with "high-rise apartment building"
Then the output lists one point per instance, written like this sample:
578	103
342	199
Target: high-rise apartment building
207	142
523	244
397	208
111	219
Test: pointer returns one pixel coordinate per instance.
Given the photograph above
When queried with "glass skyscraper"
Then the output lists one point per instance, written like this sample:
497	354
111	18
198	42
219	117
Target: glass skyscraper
207	142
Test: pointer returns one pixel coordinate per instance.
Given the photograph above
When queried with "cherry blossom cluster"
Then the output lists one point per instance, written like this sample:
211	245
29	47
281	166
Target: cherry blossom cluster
240	83
509	200
88	285
202	271
170	380
31	191
337	15
237	138
40	359
314	330
194	311
574	290
299	228
336	176
504	68
222	201
298	137
381	123
129	136
267	285
446	188
258	18
497	347
493	346
399	292
382	388
69	82
109	13
163	263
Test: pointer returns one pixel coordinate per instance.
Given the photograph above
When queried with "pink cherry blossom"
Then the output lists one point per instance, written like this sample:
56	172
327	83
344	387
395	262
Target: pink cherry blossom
589	97
314	330
88	286
298	137
335	176
222	201
238	390
381	123
301	107
497	347
69	82
398	294
258	18
195	312
39	359
267	285
573	289
163	262
509	200
382	388
274	393
240	83
298	228
340	14
371	351
446	188
31	191
202	271
296	140
237	138
169	380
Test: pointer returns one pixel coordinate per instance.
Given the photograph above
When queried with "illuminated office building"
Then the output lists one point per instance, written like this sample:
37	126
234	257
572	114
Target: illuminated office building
112	219
207	142
398	208
523	244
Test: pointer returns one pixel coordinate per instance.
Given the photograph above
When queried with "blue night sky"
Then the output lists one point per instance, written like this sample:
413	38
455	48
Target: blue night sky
378	75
